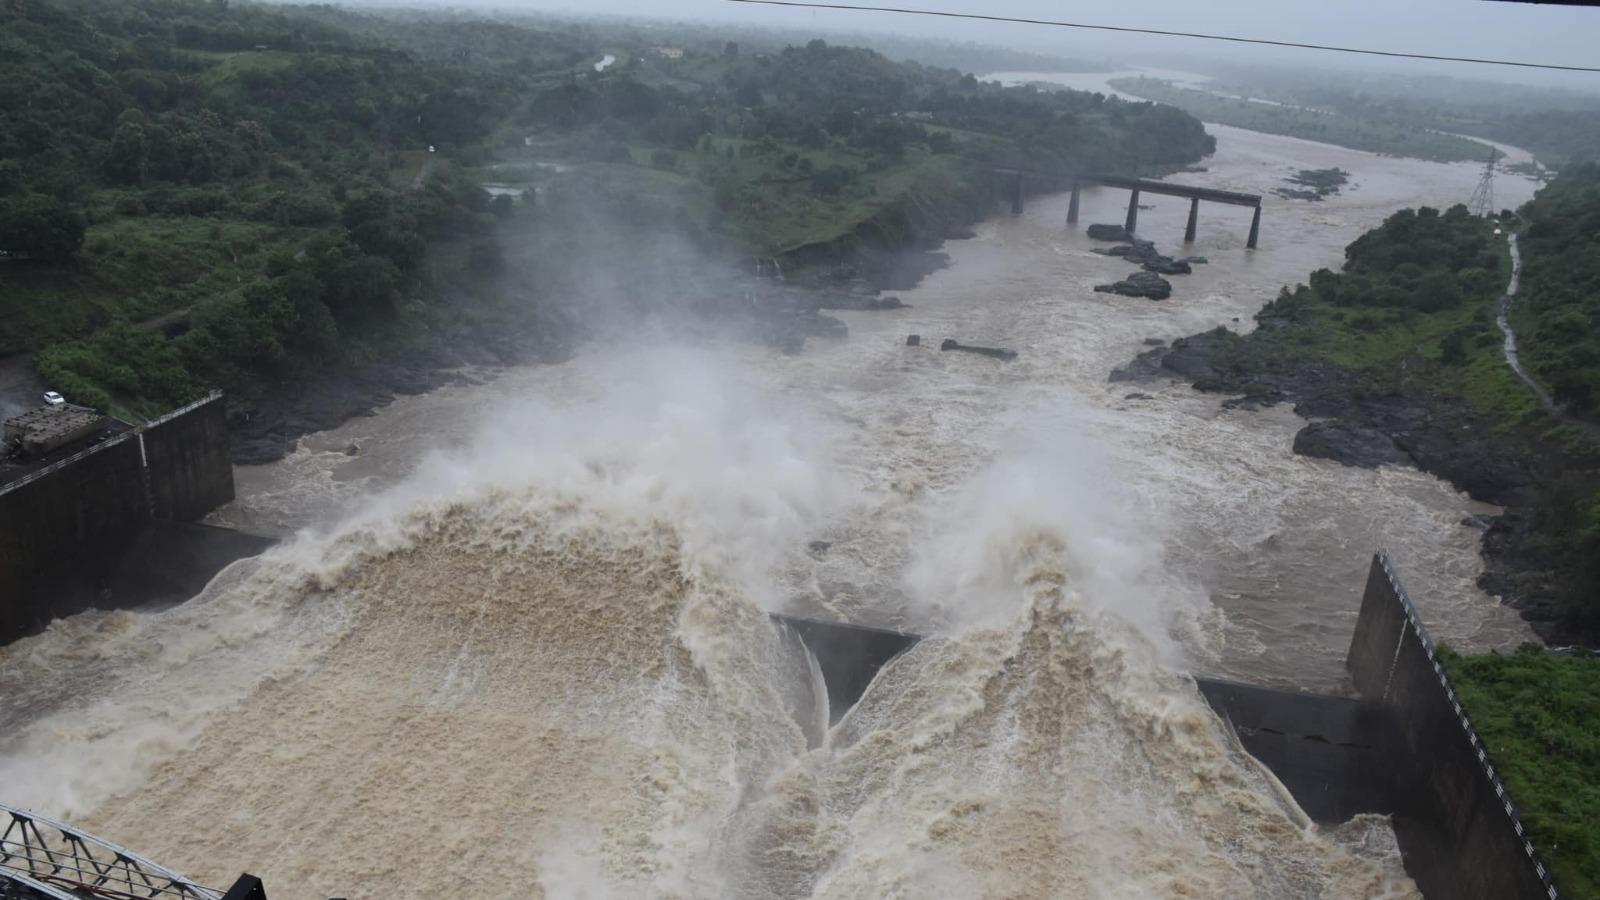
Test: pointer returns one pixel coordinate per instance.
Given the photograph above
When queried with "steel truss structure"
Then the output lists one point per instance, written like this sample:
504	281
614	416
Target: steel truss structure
42	859
1482	202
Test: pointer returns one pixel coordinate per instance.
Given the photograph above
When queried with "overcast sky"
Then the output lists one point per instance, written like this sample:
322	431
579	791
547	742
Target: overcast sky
1482	28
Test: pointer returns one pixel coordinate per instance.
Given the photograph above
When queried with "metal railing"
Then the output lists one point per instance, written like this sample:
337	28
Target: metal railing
1414	622
71	864
108	443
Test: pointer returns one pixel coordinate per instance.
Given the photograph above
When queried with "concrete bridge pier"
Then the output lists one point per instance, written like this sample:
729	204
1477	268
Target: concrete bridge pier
1016	195
1133	212
1255	229
1072	207
1194	220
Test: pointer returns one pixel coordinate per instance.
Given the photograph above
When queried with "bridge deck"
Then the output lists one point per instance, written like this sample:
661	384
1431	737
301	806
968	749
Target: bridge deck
1211	195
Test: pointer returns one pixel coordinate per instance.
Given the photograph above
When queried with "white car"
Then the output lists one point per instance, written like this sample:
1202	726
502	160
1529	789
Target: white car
51	398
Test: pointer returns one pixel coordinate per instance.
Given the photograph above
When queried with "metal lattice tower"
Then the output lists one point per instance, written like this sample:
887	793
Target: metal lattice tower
41	859
1482	202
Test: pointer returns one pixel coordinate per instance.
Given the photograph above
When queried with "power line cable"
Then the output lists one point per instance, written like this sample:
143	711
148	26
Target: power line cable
1188	34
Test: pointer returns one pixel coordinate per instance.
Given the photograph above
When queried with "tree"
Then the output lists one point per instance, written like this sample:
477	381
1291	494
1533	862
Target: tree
361	287
730	50
126	158
10	177
41	228
749	94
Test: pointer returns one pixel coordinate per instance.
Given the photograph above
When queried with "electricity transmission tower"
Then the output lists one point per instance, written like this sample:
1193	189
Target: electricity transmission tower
1482	202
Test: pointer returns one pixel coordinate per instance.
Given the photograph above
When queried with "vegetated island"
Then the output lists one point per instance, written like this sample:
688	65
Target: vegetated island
1372	135
289	202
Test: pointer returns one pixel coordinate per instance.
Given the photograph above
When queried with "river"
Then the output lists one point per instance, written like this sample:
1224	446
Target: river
518	646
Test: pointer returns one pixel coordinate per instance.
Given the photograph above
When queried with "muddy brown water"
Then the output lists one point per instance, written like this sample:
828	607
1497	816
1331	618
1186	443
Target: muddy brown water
518	642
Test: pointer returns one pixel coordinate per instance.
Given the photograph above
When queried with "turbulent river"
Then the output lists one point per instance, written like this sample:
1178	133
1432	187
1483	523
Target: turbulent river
518	645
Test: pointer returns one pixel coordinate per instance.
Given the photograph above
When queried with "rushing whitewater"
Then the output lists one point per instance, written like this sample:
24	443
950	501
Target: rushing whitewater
519	646
546	661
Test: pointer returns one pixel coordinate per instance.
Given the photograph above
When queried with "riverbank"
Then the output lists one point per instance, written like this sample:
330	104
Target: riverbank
1537	714
1325	126
1396	361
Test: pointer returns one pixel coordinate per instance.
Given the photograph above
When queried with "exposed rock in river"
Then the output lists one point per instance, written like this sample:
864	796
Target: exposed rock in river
1139	284
1109	233
1362	423
1353	445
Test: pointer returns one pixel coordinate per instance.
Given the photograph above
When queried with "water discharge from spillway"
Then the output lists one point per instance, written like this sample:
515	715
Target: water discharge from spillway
547	662
538	662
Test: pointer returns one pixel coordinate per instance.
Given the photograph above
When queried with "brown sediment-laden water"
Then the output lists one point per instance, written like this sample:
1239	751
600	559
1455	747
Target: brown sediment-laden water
517	645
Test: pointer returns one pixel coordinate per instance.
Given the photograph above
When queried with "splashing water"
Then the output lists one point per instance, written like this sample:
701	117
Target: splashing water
544	666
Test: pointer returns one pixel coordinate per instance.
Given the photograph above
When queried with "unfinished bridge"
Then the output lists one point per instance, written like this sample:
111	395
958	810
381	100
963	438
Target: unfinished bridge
1137	186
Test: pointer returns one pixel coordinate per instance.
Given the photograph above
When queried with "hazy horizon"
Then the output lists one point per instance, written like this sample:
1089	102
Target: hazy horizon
1487	28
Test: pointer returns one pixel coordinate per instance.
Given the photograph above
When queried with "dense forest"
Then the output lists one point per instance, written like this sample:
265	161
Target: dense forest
199	193
1558	324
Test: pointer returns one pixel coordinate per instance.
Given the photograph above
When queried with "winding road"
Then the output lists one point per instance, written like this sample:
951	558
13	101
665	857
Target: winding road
1503	319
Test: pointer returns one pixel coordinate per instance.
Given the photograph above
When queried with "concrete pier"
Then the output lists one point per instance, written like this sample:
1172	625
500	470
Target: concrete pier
1136	187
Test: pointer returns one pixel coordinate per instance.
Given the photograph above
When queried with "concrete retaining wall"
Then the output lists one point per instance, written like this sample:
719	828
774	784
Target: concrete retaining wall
1457	825
77	518
1335	755
186	455
66	529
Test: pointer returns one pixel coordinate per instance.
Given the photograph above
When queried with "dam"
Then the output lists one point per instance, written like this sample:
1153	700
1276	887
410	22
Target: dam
1385	752
526	629
114	524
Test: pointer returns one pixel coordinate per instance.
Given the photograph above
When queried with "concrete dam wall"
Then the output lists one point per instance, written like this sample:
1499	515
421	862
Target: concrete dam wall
1457	826
68	530
186	456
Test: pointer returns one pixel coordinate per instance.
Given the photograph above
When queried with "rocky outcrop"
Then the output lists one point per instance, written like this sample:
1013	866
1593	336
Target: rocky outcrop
1353	445
1146	254
997	353
1139	284
1108	233
1362	422
859	302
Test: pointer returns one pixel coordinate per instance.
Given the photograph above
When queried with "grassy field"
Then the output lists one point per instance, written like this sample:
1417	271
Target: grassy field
133	269
1539	716
1313	125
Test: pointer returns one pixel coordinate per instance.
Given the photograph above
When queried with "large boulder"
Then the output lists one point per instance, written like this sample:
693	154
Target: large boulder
1108	233
1353	445
1139	284
1166	265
